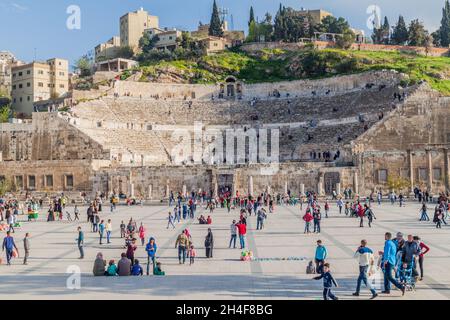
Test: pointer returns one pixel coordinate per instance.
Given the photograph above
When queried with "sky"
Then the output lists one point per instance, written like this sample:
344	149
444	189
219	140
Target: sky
37	28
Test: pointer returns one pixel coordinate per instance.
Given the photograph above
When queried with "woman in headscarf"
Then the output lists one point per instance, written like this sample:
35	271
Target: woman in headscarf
209	244
99	265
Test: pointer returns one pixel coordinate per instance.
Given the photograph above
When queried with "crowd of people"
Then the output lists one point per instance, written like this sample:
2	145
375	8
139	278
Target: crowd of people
398	261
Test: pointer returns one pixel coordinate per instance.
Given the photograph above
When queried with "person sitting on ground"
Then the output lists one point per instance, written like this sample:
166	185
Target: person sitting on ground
157	271
112	269
124	265
202	220
99	265
137	270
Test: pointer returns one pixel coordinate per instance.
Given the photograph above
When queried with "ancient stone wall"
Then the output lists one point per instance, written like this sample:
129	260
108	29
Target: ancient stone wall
337	84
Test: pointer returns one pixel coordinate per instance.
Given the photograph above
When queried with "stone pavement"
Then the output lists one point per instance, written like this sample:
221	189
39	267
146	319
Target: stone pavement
53	250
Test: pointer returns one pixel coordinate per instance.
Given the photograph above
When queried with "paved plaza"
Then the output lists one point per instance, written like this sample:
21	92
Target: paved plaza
54	249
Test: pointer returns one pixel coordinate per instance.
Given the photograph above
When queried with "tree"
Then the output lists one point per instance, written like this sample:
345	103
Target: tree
147	43
6	186
84	65
280	31
396	183
215	26
5	112
252	17
417	34
346	40
125	52
444	31
400	32
381	35
386	31
436	38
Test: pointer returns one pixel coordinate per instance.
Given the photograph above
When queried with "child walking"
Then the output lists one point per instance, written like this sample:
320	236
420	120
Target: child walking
328	282
192	255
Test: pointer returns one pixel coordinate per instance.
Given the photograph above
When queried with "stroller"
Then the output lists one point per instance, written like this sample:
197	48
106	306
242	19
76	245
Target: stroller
406	275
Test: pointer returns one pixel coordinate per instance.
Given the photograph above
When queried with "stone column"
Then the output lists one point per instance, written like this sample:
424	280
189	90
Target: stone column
250	186
150	192
320	188
167	190
355	183
338	188
446	170
302	189
131	190
430	170
411	171
285	187
269	190
216	189
184	190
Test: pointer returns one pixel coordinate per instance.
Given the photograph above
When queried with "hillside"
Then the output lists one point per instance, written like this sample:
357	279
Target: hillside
278	65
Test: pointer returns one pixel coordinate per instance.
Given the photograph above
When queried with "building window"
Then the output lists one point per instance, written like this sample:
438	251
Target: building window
40	84
423	176
20	99
40	72
19	182
20	86
49	181
382	176
28	84
61	73
69	181
437	174
61	86
28	98
31	182
14	87
14	75
28	72
20	74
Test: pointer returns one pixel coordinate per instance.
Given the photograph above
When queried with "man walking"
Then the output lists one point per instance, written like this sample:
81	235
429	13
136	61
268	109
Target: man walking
242	228
233	232
389	260
9	245
366	261
182	243
26	247
80	242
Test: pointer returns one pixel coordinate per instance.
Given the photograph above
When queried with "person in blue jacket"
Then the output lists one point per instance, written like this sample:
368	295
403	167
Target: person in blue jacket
320	256
389	261
151	248
328	282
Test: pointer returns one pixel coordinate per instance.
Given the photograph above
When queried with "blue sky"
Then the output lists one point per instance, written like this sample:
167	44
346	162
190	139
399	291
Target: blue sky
26	25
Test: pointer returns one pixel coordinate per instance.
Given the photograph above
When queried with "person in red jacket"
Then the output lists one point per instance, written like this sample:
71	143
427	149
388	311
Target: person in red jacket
242	228
423	250
307	218
361	214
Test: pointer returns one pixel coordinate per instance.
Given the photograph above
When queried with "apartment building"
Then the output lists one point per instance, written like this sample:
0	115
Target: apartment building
167	39
107	50
38	81
316	15
133	26
7	61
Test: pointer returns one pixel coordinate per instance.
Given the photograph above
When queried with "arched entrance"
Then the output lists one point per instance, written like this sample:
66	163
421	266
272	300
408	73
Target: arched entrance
330	180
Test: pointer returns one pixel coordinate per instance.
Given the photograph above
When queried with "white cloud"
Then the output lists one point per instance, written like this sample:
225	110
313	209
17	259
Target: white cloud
18	6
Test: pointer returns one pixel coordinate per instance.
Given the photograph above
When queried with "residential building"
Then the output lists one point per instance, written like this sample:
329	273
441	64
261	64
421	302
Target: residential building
232	37
167	39
214	44
7	61
107	50
38	81
316	15
133	25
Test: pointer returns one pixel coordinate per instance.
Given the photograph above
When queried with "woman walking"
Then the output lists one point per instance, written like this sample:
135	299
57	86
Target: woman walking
209	244
142	234
424	215
423	250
